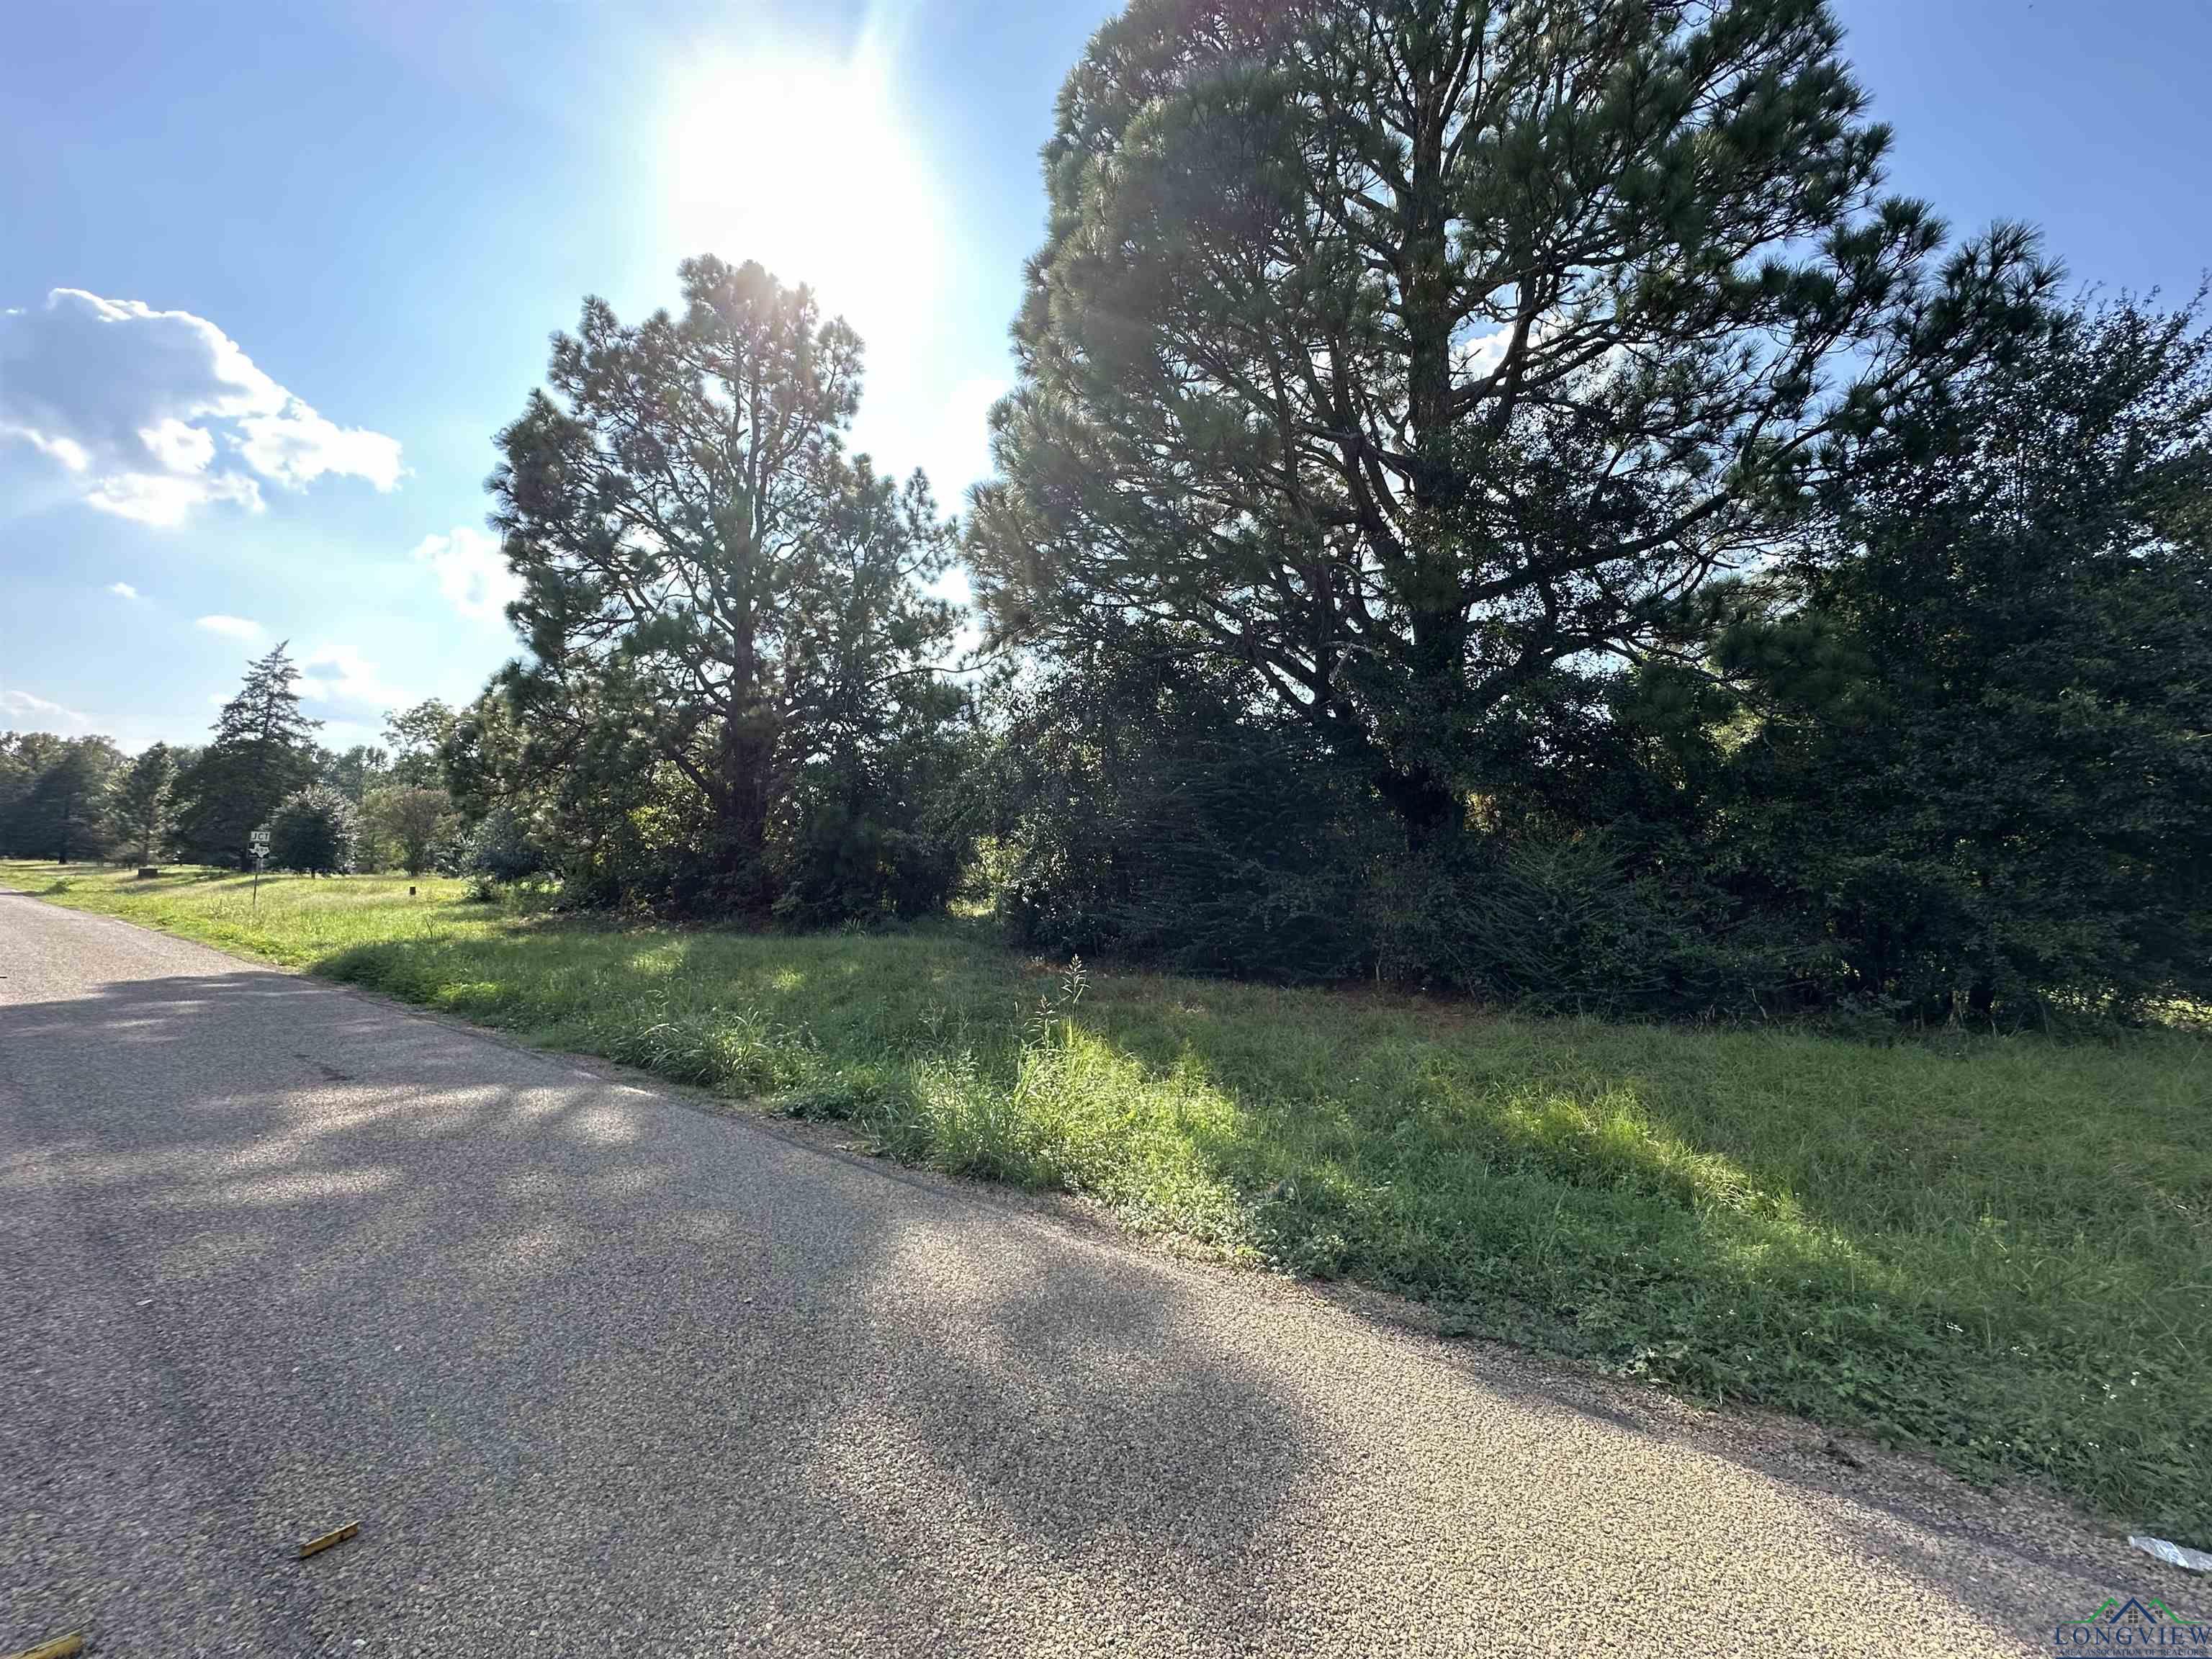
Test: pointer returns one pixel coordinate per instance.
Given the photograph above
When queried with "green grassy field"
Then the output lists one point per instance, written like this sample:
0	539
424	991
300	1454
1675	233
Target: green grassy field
1995	1251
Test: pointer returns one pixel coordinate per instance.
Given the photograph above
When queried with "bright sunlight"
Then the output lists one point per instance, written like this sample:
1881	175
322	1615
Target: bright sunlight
803	163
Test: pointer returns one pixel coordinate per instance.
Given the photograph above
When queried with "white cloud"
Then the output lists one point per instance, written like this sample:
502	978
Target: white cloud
179	447
299	446
124	590
164	499
340	677
472	573
69	454
161	413
20	711
235	628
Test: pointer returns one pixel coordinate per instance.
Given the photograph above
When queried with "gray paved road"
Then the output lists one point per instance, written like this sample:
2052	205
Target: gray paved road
600	1372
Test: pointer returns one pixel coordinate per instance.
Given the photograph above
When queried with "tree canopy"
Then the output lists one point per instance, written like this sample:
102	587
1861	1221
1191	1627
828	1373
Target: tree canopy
142	805
1401	353
54	794
263	751
718	600
1980	753
410	820
316	831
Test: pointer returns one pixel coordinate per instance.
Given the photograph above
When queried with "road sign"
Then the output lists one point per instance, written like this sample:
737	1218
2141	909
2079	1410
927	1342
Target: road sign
260	840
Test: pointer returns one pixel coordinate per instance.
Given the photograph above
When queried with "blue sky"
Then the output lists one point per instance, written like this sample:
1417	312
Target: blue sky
316	248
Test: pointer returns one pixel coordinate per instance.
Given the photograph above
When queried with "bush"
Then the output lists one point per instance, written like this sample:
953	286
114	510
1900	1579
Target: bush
1142	813
880	832
501	847
1586	923
317	830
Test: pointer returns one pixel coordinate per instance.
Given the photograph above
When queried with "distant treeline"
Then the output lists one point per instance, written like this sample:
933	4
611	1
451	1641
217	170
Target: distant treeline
373	807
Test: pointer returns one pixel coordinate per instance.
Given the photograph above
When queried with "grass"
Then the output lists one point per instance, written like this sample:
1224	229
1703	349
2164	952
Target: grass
1997	1252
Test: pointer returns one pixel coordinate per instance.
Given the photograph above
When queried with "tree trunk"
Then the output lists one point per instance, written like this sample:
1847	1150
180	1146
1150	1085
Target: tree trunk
1426	805
741	806
1982	1000
1420	790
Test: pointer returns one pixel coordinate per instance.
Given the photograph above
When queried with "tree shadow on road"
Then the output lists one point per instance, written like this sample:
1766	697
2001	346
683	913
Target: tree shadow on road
549	1332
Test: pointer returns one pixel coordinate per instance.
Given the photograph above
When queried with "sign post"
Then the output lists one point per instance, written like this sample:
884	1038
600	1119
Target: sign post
260	840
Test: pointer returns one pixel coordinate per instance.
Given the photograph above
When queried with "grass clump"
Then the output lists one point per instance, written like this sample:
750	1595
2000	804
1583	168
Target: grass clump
1997	1251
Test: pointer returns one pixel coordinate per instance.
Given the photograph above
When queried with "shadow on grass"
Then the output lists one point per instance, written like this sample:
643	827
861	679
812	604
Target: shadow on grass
1762	1223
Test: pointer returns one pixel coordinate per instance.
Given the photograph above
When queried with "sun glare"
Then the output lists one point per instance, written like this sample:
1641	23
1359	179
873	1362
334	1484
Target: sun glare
803	164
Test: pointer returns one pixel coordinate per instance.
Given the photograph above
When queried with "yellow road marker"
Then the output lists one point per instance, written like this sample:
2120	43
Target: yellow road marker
317	1546
60	1648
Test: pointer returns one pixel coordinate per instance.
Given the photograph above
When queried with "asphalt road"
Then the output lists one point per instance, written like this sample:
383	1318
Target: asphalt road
601	1370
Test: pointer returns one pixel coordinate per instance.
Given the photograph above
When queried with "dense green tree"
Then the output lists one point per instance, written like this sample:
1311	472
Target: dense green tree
25	757
503	847
716	597
61	788
1406	351
1143	802
354	773
141	809
315	830
480	754
1978	746
263	752
876	822
410	822
414	737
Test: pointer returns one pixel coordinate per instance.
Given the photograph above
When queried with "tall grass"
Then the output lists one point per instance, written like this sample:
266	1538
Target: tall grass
1997	1251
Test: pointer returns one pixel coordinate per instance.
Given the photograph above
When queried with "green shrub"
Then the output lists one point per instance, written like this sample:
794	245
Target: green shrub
1143	812
501	847
317	830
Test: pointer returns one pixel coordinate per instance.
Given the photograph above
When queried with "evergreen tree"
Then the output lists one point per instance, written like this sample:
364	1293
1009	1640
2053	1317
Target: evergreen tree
62	813
316	830
480	755
1406	350
1978	743
25	757
141	809
263	751
717	598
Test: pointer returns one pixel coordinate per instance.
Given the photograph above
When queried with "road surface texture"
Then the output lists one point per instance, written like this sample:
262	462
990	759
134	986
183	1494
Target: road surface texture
602	1369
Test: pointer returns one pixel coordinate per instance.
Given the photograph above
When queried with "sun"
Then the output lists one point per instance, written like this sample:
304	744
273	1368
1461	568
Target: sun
803	163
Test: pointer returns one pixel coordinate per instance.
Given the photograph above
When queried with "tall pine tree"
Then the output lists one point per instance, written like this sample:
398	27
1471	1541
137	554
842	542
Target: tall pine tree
264	749
143	807
720	602
1399	351
63	814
